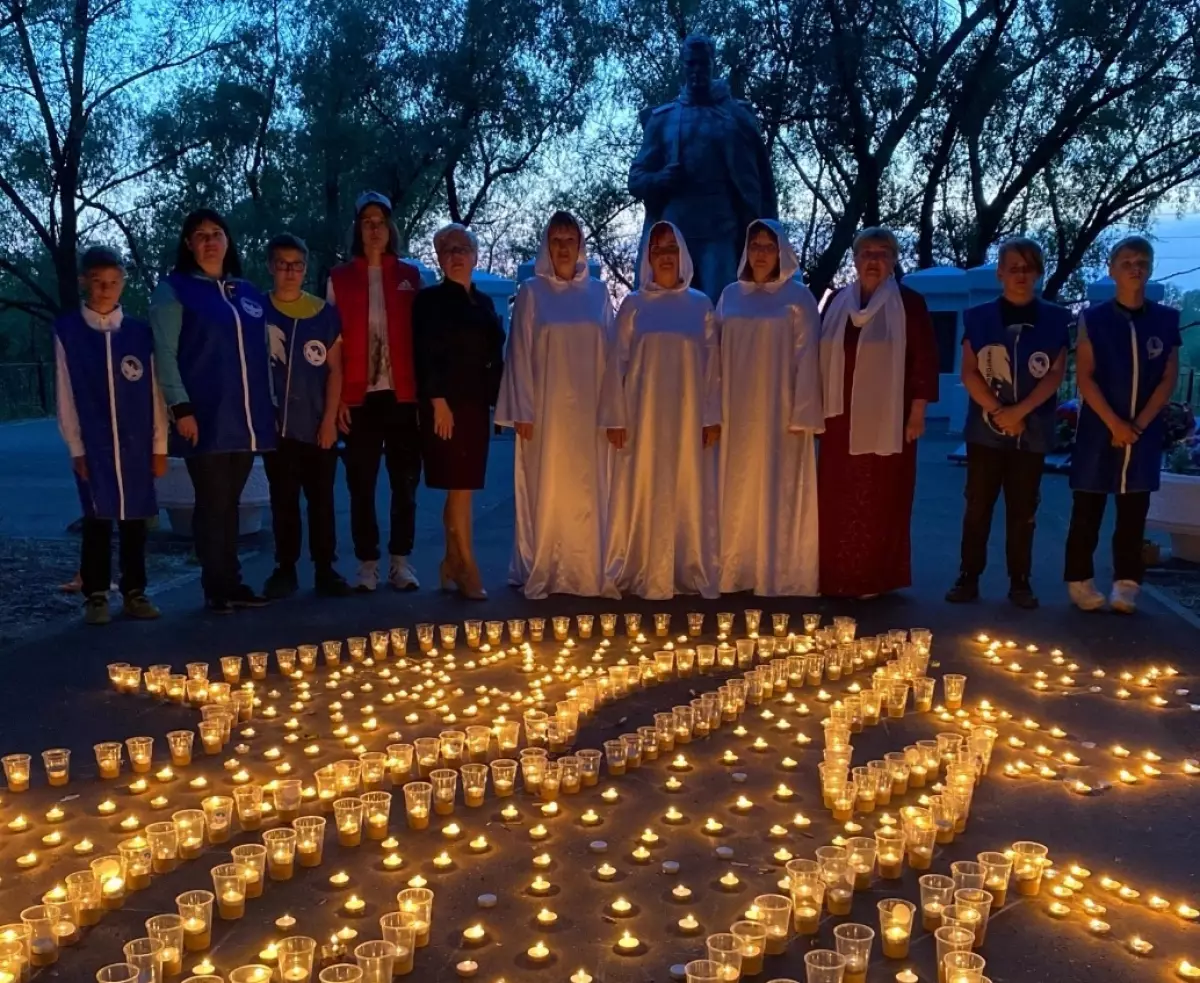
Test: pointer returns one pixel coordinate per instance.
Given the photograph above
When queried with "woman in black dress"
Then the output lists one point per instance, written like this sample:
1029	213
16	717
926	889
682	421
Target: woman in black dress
458	343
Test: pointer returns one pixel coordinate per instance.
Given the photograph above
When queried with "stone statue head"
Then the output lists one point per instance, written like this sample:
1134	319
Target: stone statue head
697	54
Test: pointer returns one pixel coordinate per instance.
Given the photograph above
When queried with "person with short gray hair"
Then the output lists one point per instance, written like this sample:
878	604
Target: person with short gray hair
1127	363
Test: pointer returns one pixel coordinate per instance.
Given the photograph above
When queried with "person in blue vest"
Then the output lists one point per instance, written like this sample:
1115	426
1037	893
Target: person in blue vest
1014	356
210	346
306	364
1127	361
112	418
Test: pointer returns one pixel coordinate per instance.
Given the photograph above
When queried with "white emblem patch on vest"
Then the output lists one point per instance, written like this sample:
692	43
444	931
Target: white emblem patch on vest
251	308
131	368
1154	346
1039	364
314	353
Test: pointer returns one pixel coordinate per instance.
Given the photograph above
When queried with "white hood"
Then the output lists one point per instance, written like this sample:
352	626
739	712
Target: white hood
543	266
646	271
788	263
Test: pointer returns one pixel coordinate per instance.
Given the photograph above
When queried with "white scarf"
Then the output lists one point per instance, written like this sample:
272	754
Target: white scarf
876	410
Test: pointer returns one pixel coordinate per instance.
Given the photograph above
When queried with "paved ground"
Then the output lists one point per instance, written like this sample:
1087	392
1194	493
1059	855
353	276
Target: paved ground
54	694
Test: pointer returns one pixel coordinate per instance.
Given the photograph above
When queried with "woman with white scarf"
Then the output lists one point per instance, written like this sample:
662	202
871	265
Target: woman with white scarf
879	369
661	408
771	410
562	326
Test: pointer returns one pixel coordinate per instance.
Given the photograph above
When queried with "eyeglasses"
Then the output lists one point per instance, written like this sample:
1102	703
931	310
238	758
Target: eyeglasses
297	267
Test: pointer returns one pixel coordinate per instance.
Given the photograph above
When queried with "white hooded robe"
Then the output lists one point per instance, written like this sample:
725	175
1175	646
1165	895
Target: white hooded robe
772	409
557	350
663	387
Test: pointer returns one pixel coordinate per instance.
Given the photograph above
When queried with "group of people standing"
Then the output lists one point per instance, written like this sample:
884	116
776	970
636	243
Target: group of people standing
671	447
674	451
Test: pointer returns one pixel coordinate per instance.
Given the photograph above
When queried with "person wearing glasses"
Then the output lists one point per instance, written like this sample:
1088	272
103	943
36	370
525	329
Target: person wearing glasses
661	409
210	353
374	294
306	363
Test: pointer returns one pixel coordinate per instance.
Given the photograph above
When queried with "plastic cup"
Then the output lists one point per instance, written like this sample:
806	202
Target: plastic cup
57	762
974	906
40	922
147	955
395	929
1027	866
118	973
348	816
937	893
824	966
962	967
377	809
418	801
614	752
415	905
427	751
504	777
775	913
703	971
250	973
375	959
948	939
445	790
952	687
752	937
296	955
196	909
83	891
479	741
168	929
218	817
248	801
808	895
252	859
341	973
281	853
896	926
288	796
725	949
997	869
853	941
110	875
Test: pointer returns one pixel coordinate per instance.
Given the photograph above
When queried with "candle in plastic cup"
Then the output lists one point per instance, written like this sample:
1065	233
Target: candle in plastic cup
824	966
342	973
614	752
84	892
168	929
937	893
136	862
953	686
427	750
395	929
504	776
775	913
950	938
968	873
250	973
1027	866
808	895
348	817
288	795
997	867
281	853
110	874
57	762
377	808
962	967
296	955
108	759
252	859
196	909
118	973
854	942
445	790
248	801
425	637
179	742
975	905
218	817
703	971
376	959
40	922
415	905
418	801
752	937
896	926
725	949
147	955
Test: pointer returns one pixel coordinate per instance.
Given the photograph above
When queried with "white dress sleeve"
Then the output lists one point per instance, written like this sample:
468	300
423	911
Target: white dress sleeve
808	412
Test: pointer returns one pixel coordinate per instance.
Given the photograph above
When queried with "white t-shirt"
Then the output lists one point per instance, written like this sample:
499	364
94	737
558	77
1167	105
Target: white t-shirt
379	362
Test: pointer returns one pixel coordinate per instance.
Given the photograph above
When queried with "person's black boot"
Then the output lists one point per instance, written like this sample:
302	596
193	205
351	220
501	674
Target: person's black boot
329	583
1022	595
282	583
244	597
965	589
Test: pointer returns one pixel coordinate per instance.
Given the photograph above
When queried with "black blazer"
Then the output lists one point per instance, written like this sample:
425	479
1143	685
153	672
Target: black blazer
458	345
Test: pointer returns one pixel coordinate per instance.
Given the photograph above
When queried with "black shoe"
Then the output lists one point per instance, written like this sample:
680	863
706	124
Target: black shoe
1022	595
329	583
244	597
217	605
282	583
965	589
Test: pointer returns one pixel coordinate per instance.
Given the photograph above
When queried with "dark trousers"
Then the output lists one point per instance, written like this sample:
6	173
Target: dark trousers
95	562
1018	474
218	480
297	467
1087	513
381	427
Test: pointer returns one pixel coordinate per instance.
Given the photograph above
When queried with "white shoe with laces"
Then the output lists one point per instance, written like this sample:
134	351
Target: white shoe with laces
1124	596
401	574
368	576
1085	596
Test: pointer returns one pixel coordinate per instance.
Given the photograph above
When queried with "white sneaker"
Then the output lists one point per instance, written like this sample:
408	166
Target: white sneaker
1085	596
401	574
368	576
1124	596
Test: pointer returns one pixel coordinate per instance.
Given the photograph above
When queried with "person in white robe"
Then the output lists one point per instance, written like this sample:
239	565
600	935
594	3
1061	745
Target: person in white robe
771	412
662	411
562	327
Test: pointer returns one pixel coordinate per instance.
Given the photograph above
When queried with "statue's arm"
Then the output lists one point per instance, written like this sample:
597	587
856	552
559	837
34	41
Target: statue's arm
644	181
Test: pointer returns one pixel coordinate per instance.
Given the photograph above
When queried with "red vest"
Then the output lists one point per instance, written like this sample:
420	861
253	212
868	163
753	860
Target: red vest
401	281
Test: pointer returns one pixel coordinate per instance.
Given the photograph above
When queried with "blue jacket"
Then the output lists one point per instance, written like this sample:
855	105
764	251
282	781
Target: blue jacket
219	360
299	348
112	386
1013	363
1131	359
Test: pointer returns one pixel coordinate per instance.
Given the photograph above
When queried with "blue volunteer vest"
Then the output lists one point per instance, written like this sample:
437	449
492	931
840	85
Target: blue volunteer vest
299	353
224	365
112	385
1013	364
1131	358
